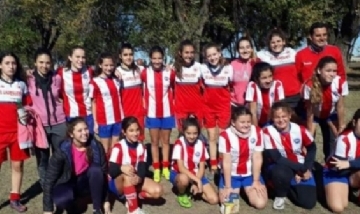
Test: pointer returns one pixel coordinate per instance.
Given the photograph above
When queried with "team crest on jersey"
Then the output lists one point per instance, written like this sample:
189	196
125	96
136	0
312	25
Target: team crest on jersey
297	141
197	154
166	78
252	140
272	94
85	76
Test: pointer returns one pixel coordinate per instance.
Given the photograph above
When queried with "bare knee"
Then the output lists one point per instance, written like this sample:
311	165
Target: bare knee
182	180
259	203
336	208
17	166
212	199
156	191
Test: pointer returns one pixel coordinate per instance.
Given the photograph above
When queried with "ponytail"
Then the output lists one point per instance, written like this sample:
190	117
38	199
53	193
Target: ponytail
316	90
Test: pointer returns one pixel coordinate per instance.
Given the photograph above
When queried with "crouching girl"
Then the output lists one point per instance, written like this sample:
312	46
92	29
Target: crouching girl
128	168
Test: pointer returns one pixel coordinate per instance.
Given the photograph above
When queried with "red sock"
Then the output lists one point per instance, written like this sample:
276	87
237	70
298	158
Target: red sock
213	162
14	196
131	198
156	165
165	164
142	195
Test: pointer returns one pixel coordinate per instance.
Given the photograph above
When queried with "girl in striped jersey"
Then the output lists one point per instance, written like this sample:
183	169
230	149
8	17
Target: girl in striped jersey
324	97
131	87
217	77
288	168
127	168
188	166
343	168
241	147
76	77
106	101
160	119
262	92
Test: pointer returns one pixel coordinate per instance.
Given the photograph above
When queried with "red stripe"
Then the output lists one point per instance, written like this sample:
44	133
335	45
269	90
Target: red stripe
159	84
244	155
286	142
115	96
190	162
347	149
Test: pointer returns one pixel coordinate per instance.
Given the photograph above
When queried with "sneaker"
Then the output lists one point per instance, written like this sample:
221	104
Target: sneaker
138	211
184	201
16	205
279	203
97	212
157	175
166	173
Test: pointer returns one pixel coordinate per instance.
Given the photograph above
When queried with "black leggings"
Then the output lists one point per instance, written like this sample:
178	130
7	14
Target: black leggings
329	138
302	195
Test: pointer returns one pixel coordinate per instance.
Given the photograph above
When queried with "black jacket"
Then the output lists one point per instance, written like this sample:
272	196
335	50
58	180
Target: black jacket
60	169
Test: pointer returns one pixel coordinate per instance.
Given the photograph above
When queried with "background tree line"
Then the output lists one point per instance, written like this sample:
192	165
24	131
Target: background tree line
103	24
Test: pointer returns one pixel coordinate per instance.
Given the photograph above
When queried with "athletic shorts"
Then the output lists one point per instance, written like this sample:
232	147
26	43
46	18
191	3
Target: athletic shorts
239	181
173	175
330	176
220	119
108	131
112	189
10	141
180	117
160	123
89	122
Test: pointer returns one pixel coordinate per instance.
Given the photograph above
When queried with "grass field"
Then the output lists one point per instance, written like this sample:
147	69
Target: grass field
32	195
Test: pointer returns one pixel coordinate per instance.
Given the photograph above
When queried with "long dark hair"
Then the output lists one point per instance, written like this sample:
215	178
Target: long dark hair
258	68
72	50
350	126
19	73
179	61
124	46
275	32
70	129
100	60
126	123
191	121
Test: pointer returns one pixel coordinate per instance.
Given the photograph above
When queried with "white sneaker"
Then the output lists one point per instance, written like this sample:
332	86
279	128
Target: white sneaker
279	203
222	208
138	211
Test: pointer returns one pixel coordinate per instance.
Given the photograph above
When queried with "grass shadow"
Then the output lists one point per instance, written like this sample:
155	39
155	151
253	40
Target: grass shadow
33	191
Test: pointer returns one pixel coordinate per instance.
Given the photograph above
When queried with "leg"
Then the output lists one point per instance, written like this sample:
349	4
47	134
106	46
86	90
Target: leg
116	130
328	138
303	196
141	120
96	178
336	194
180	181
209	194
354	180
256	199
42	161
152	189
58	134
212	138
105	134
154	125
123	186
165	149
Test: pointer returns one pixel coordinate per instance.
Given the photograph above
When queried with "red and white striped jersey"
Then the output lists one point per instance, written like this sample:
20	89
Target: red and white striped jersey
75	91
106	94
241	149
131	92
191	154
348	146
330	96
11	94
125	153
188	88
217	87
289	144
158	92
264	98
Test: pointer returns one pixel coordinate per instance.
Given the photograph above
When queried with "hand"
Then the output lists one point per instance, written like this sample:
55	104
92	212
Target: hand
194	189
341	128
135	180
226	193
307	175
107	208
118	74
29	72
128	170
259	188
340	164
297	178
199	185
96	128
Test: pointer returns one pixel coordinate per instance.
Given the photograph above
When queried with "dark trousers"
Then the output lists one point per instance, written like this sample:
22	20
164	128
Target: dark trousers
302	195
328	136
55	135
90	181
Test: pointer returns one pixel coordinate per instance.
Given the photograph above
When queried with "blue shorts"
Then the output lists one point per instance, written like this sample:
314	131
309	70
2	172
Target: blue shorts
173	175
330	176
238	181
89	122
112	189
107	131
160	123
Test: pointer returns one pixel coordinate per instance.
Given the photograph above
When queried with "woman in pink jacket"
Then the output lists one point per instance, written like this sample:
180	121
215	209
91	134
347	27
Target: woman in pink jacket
242	69
44	86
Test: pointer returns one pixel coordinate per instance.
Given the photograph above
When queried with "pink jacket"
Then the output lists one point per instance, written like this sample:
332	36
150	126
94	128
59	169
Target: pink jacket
33	134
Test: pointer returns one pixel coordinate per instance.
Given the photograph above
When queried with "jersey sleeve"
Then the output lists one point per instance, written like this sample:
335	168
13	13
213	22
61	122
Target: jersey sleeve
344	87
231	74
116	155
172	77
26	98
92	88
205	155
259	147
268	142
280	91
342	146
224	143
299	66
307	138
143	75
250	95
306	92
178	152
143	155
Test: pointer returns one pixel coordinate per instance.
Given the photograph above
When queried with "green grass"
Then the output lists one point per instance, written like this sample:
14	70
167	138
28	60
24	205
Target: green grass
35	203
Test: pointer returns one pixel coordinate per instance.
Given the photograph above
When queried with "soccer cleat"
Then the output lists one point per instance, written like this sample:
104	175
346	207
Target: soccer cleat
166	173
184	201
157	175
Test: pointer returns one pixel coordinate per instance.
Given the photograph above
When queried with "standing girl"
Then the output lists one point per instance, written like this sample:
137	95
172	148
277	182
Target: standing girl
324	97
262	92
217	78
76	77
159	105
241	146
187	84
282	58
14	94
242	69
131	87
106	102
287	167
188	167
127	168
342	170
44	89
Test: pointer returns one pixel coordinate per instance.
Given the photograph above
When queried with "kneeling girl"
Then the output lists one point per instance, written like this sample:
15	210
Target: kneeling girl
241	147
127	168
